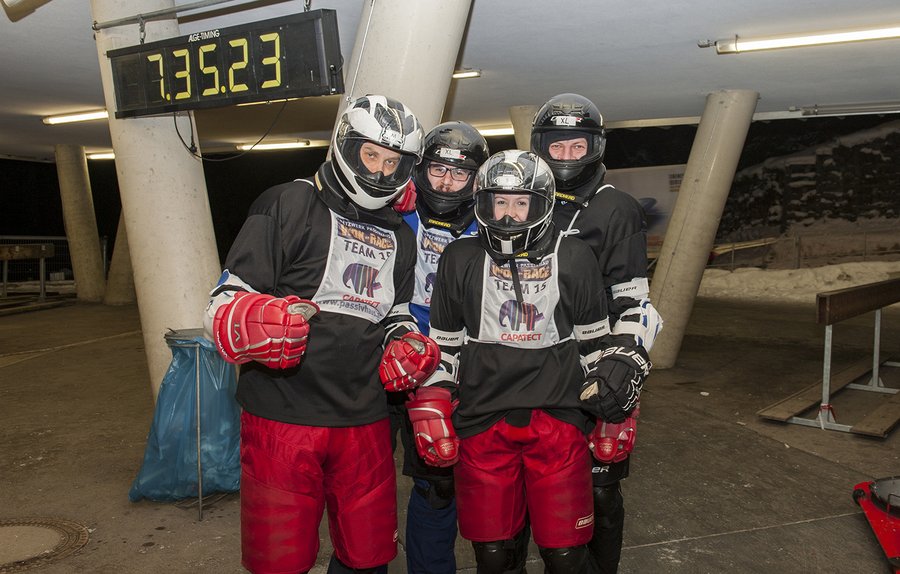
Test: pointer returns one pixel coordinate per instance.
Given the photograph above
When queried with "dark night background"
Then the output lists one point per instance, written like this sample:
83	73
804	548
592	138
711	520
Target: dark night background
31	204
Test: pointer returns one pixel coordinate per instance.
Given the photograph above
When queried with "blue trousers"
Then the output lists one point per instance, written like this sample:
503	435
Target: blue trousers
430	533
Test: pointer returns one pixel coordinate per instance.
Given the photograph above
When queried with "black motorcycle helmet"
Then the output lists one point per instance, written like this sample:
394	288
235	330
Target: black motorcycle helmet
455	144
519	175
564	117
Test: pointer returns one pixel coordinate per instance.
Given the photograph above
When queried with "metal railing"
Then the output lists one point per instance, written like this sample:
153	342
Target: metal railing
58	267
814	250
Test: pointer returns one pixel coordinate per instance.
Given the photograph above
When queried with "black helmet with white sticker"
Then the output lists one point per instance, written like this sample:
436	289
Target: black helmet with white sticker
568	117
460	149
376	145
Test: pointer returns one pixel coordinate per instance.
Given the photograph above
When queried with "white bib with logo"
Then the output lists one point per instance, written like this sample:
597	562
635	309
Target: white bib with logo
529	324
359	273
431	243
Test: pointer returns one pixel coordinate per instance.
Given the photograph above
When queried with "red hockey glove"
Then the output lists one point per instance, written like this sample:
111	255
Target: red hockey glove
406	202
262	328
612	442
408	361
436	440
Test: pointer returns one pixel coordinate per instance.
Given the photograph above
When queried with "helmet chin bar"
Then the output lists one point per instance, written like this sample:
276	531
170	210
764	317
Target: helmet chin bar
506	247
565	173
357	190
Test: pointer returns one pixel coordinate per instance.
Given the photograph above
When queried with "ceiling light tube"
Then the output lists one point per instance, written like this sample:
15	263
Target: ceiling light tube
101	155
487	132
466	73
737	45
850	109
79	117
271	146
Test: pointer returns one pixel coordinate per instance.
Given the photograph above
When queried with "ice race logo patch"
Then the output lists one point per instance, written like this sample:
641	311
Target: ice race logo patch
527	271
366	235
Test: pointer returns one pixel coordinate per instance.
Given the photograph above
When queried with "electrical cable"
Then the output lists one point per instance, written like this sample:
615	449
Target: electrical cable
192	148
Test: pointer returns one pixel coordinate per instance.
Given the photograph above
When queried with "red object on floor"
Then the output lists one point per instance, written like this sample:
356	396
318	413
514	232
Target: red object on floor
880	501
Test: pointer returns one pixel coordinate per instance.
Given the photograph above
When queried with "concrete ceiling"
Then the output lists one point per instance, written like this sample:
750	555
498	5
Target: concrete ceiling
637	60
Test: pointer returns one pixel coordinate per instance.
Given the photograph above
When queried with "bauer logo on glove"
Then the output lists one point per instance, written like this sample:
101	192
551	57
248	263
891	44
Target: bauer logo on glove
408	361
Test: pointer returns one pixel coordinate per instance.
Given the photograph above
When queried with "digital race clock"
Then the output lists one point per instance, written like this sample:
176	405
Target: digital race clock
289	57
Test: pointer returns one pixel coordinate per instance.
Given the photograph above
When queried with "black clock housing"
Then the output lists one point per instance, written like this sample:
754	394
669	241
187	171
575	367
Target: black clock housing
288	57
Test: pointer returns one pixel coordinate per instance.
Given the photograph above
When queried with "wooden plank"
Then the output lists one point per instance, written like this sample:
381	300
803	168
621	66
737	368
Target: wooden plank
25	251
835	306
812	395
880	421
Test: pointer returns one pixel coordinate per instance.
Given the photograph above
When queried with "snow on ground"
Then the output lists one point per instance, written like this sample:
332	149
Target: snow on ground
793	285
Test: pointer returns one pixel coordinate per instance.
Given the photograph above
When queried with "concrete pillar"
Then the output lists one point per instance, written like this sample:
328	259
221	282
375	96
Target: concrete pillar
81	222
695	218
120	282
522	117
407	49
164	199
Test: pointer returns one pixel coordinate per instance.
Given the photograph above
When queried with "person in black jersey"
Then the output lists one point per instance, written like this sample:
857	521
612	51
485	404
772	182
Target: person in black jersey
517	312
314	304
443	212
568	133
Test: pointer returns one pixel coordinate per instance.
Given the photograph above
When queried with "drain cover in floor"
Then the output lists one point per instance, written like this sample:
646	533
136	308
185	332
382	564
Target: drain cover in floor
32	542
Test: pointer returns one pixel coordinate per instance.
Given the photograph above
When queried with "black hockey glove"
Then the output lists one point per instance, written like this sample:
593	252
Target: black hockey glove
612	388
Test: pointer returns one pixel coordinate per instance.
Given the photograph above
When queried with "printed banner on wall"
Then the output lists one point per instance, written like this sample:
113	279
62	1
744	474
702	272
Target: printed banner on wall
656	188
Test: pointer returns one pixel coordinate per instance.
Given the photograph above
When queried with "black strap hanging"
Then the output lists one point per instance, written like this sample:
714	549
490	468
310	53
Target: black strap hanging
517	286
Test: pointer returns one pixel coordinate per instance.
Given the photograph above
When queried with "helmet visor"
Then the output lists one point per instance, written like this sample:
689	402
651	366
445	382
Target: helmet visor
381	169
511	211
568	147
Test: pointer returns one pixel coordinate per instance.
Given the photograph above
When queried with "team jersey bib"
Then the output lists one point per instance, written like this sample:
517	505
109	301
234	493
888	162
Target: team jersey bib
431	243
528	324
359	274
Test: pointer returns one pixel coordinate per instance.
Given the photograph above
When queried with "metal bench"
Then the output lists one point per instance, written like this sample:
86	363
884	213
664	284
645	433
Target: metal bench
833	307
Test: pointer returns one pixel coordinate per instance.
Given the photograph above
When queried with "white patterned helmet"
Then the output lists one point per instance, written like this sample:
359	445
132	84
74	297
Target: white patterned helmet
513	181
389	124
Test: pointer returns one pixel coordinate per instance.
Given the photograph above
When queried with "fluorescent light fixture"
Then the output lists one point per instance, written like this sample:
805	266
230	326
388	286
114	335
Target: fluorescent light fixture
737	44
79	117
276	145
101	155
466	73
850	109
487	132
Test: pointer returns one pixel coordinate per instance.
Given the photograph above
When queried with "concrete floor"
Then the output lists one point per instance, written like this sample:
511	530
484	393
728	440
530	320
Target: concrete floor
714	488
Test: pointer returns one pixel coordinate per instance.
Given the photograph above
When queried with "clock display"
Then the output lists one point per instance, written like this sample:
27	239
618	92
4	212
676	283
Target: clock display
289	57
